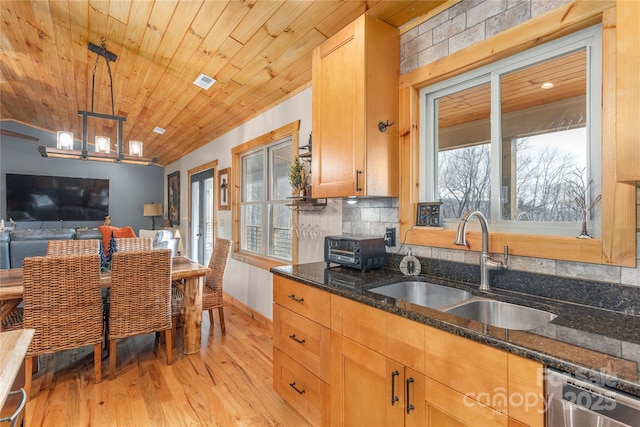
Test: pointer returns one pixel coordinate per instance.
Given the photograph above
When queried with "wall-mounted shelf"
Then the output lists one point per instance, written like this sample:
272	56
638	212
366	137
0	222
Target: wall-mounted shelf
307	204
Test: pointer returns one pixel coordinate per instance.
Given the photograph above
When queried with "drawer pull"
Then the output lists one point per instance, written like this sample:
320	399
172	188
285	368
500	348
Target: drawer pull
293	386
293	297
394	398
410	407
296	339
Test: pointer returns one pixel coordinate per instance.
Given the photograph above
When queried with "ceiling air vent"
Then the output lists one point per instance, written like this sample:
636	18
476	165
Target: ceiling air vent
204	81
159	130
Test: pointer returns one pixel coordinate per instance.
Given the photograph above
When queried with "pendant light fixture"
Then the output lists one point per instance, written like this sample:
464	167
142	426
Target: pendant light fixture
64	147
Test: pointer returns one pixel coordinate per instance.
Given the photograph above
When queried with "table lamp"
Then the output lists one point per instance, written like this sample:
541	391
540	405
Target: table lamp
153	210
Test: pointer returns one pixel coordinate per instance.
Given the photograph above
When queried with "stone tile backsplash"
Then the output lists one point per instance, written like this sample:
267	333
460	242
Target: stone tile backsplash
371	217
464	24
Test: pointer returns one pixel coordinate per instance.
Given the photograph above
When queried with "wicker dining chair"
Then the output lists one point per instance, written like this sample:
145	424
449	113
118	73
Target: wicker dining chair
73	247
212	289
140	298
63	303
133	244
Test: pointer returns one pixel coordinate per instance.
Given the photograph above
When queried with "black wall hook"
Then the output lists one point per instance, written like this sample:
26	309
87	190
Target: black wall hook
382	126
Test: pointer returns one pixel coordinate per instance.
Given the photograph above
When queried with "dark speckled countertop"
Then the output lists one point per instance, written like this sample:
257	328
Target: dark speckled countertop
600	344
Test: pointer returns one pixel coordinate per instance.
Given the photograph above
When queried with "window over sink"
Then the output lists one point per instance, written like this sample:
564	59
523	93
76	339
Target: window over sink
518	139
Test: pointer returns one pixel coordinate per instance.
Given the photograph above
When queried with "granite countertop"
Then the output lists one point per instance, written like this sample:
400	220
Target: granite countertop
597	344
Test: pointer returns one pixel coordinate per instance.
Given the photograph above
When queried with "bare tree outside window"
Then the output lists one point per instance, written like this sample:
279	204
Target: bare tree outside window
464	180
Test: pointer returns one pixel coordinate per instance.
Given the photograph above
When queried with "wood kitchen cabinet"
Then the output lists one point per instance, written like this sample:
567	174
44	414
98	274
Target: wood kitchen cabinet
371	389
444	379
301	341
355	88
342	362
376	374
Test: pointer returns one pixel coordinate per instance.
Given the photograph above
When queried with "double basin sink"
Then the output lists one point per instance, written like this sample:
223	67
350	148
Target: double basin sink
462	303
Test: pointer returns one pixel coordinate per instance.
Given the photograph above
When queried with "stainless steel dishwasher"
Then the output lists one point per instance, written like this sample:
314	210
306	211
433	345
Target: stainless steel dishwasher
574	402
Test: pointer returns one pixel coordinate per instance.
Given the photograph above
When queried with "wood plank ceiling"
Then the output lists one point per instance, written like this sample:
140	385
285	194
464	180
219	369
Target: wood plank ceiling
258	51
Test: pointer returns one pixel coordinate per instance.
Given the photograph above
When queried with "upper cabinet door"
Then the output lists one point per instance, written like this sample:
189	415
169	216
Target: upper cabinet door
355	87
628	91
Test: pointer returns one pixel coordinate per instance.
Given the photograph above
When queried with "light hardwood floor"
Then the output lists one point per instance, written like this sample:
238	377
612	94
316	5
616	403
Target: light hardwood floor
229	383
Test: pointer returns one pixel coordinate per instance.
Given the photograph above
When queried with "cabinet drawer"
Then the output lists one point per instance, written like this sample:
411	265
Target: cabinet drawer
310	302
303	340
307	393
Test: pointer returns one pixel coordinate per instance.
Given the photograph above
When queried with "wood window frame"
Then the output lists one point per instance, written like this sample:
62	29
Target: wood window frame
617	245
290	130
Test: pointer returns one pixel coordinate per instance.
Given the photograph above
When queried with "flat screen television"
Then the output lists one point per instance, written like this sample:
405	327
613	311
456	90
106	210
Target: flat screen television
56	198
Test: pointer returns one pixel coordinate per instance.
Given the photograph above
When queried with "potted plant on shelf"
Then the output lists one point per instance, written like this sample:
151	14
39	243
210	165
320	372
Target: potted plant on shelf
297	177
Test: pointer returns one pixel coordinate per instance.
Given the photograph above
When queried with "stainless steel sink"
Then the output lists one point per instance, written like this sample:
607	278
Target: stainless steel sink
501	314
423	293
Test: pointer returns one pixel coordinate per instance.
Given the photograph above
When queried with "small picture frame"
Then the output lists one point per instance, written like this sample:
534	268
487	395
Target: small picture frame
224	185
429	214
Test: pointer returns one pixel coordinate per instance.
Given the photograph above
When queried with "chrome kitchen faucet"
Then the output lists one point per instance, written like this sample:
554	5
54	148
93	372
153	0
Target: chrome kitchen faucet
486	263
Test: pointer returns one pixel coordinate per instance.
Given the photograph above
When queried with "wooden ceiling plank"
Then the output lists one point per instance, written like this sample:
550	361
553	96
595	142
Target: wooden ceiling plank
14	94
78	19
195	48
138	15
52	75
97	26
177	28
33	48
285	37
63	45
120	10
256	18
341	17
15	65
248	51
145	72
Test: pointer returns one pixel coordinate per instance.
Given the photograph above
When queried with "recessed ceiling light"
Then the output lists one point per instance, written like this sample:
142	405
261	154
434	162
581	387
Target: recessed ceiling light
204	81
159	130
546	85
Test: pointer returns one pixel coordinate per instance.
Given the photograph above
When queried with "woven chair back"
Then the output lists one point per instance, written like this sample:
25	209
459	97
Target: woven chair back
217	264
73	247
140	301
133	244
62	302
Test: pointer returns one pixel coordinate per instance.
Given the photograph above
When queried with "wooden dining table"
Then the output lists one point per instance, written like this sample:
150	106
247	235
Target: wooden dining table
182	268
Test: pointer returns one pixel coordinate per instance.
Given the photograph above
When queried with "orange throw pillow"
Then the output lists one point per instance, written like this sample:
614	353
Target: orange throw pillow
106	231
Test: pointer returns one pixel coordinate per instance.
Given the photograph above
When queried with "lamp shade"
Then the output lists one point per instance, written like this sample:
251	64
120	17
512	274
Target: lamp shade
135	148
152	209
65	140
102	144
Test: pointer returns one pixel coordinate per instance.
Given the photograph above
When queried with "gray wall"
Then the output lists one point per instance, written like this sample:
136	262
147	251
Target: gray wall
130	186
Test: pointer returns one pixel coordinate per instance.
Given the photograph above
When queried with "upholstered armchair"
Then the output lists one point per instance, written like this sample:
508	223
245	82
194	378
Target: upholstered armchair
161	239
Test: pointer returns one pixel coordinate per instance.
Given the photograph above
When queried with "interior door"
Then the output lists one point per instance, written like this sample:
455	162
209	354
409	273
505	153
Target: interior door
202	216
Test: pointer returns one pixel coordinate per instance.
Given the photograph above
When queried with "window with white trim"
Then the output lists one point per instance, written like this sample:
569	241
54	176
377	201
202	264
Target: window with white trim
518	139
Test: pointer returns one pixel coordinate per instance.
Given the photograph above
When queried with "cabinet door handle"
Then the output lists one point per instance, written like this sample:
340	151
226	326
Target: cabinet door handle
293	386
410	407
358	173
296	339
293	297
394	398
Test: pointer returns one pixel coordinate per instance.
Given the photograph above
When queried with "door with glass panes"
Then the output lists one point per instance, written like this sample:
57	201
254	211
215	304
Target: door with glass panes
202	216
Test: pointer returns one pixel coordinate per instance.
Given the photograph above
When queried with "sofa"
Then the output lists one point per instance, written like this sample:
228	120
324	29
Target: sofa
161	239
19	244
